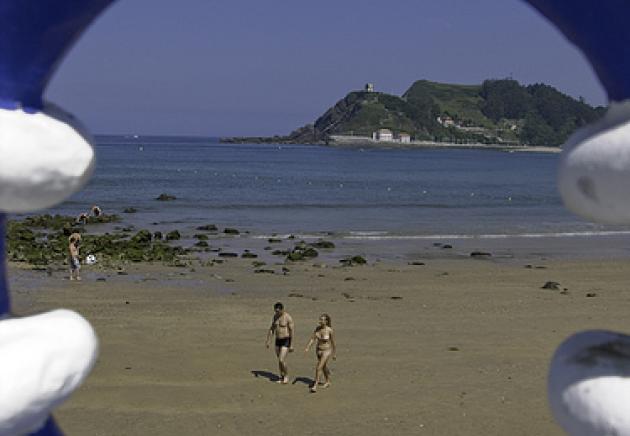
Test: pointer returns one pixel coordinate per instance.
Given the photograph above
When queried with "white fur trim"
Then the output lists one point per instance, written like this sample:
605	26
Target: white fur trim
594	172
44	359
44	158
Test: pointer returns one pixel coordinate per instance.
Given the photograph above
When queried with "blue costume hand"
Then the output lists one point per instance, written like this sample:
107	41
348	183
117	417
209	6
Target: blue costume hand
45	156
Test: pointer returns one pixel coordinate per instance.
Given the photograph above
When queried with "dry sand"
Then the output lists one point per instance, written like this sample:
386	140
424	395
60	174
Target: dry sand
453	347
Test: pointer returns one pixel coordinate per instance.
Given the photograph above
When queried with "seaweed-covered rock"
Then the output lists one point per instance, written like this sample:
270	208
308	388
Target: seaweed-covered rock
354	260
103	219
295	256
551	285
47	221
302	251
130	210
165	197
478	253
201	244
25	245
201	237
142	237
158	236
228	254
173	235
19	232
231	231
323	244
208	228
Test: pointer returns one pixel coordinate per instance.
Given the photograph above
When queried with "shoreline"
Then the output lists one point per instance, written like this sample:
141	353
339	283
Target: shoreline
360	141
116	242
347	141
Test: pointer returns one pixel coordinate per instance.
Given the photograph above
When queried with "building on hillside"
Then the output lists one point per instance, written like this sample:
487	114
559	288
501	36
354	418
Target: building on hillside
383	135
404	138
446	121
386	135
369	87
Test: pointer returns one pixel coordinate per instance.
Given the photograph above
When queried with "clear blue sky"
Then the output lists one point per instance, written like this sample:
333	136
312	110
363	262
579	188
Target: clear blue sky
252	67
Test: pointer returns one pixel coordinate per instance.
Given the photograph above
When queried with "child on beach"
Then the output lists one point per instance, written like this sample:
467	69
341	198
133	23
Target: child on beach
283	328
73	258
326	348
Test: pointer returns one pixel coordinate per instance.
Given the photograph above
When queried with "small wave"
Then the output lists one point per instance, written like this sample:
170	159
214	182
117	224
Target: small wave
492	236
368	233
310	206
292	236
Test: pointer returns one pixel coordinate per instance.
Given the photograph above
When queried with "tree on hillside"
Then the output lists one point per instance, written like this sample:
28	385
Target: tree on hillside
424	111
504	98
537	132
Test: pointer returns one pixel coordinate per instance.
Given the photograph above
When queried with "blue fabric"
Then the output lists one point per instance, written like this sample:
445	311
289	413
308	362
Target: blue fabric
50	428
601	30
34	35
5	303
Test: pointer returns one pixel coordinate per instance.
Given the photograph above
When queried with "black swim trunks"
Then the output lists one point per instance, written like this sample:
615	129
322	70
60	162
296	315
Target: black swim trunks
283	342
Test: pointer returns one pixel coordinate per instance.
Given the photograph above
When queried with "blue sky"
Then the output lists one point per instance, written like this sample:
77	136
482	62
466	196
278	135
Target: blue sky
244	67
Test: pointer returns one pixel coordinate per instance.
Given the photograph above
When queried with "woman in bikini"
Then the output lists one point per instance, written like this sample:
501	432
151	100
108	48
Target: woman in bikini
326	348
282	327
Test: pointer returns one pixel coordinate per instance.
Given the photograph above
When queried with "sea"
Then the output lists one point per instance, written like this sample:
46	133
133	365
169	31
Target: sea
315	191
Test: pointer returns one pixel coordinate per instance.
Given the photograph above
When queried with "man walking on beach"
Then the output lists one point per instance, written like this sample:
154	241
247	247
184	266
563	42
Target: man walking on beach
283	328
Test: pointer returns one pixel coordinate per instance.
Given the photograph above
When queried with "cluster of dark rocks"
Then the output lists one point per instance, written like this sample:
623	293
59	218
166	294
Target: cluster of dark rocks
43	239
301	251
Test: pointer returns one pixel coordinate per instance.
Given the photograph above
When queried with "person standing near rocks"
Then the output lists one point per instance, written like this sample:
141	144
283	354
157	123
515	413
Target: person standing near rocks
73	258
326	348
96	211
82	218
283	328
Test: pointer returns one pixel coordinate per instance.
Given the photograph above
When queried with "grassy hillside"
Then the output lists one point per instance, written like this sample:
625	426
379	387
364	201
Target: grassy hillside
497	111
460	101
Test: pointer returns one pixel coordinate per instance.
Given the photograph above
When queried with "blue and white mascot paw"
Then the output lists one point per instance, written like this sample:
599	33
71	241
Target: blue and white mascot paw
44	158
589	378
44	359
589	384
594	171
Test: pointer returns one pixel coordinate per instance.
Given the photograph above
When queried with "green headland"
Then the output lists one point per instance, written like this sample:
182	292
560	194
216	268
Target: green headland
501	112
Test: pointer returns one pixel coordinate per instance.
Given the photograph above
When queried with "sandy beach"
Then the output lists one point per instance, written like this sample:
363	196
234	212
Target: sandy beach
457	346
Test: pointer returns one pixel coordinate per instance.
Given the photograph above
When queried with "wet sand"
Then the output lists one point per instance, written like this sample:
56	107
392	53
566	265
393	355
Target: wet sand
457	346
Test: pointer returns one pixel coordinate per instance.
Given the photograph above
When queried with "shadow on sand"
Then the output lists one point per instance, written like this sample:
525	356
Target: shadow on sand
266	374
275	378
307	381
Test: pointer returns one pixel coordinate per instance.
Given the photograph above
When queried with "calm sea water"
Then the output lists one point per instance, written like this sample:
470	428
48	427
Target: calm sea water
305	189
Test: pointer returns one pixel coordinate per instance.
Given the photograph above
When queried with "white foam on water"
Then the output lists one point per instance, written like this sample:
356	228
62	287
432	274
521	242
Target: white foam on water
491	236
291	236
